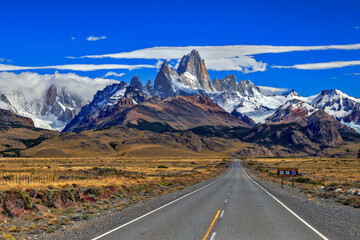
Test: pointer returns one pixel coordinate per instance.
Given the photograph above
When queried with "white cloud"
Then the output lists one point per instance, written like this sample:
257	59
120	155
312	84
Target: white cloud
72	38
158	64
77	67
352	73
357	27
108	74
92	38
219	58
34	85
320	66
5	60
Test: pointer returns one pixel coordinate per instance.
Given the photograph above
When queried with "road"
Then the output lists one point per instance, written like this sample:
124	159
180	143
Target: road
233	207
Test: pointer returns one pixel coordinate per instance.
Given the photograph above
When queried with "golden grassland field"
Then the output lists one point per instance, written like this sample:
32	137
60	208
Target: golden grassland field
328	168
85	171
65	190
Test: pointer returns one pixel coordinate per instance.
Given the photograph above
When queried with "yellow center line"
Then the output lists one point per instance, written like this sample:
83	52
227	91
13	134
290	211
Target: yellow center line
211	226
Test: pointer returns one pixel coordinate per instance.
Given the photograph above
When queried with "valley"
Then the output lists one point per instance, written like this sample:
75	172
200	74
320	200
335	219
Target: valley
130	144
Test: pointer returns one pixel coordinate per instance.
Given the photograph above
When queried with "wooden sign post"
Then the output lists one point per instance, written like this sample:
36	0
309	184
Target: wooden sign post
287	172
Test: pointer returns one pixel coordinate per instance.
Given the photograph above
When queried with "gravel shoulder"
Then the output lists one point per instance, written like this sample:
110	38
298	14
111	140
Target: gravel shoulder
113	218
332	219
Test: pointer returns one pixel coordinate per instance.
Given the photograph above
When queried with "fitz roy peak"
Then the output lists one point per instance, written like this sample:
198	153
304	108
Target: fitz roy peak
249	103
60	108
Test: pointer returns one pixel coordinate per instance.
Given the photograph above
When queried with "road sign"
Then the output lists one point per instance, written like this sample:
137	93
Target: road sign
287	172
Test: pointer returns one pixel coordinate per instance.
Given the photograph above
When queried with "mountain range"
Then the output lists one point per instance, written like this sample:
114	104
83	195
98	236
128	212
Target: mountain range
277	121
121	104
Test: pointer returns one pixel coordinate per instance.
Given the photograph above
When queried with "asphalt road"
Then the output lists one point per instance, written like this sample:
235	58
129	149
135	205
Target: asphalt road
233	207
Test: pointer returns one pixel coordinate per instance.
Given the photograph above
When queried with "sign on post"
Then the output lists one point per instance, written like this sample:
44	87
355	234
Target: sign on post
287	172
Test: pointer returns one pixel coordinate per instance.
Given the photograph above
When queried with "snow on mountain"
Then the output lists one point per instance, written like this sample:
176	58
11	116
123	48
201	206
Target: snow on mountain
50	100
5	104
293	111
245	98
335	103
271	91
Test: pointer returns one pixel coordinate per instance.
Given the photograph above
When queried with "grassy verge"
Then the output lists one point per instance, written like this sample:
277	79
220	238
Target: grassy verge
31	209
333	179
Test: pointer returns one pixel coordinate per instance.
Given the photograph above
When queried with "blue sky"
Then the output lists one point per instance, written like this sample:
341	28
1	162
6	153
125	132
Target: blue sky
45	33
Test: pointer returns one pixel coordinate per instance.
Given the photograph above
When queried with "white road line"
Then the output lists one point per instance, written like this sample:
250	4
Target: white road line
225	201
302	220
213	236
222	213
147	214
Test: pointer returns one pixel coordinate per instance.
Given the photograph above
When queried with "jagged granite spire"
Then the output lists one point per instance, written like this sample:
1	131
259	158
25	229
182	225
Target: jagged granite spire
193	72
136	83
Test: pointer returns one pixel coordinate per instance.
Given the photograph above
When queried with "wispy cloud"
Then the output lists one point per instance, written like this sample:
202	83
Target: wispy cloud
220	58
72	38
33	85
5	60
320	66
92	38
111	73
357	27
352	73
77	67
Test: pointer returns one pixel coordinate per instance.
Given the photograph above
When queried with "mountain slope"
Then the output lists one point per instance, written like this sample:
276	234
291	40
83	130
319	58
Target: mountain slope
50	100
8	118
178	113
129	142
344	108
103	99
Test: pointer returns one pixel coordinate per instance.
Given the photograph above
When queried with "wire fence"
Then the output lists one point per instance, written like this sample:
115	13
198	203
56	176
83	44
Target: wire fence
95	173
315	177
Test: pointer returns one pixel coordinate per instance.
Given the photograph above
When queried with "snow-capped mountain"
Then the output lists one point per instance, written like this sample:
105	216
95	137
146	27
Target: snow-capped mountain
103	100
245	98
344	108
6	105
51	101
237	97
293	111
53	110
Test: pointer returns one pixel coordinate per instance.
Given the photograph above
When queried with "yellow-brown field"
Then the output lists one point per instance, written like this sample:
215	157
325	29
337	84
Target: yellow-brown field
75	167
330	169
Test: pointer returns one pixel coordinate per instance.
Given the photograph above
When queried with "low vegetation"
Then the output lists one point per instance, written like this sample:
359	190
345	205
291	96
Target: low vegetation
330	178
82	188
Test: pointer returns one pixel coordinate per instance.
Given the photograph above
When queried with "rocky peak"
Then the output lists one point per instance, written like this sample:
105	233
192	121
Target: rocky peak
193	70
135	94
248	88
165	79
324	129
5	104
61	103
150	90
148	84
291	93
293	111
136	83
230	83
217	84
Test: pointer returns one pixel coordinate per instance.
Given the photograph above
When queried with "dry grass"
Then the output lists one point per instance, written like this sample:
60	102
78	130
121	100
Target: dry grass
74	166
329	168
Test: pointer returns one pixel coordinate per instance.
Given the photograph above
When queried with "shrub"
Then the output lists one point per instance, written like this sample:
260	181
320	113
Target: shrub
162	166
28	202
